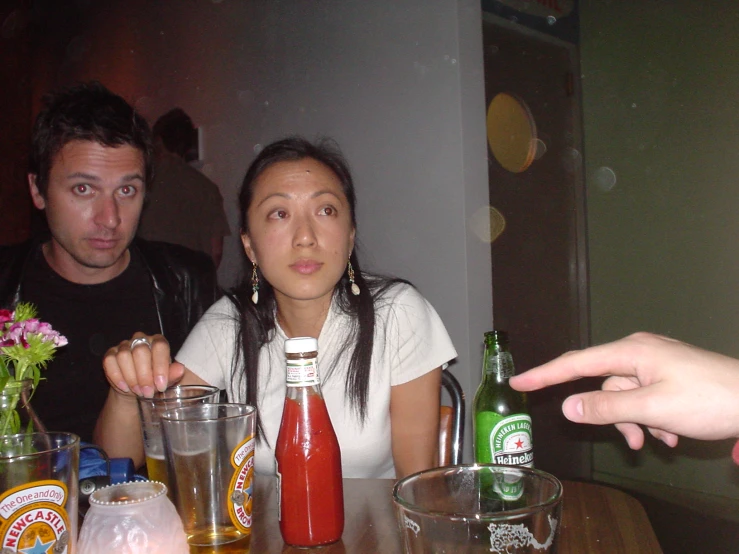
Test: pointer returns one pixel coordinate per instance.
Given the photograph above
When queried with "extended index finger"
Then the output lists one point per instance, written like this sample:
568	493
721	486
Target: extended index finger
613	358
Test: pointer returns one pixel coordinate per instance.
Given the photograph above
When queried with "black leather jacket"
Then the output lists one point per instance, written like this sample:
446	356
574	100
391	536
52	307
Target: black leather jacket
183	283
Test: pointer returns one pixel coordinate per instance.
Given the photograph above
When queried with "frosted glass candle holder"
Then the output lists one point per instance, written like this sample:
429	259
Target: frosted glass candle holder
132	518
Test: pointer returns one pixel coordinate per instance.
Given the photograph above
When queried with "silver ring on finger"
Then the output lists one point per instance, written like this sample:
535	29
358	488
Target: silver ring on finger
140	340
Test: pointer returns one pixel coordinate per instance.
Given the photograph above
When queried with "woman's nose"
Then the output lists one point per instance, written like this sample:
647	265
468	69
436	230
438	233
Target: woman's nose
304	233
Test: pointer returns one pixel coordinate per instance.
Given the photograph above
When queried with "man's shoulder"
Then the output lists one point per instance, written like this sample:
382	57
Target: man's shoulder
13	260
14	256
12	251
167	253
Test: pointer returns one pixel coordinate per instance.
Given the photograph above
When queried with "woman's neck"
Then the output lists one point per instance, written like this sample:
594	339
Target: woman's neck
302	318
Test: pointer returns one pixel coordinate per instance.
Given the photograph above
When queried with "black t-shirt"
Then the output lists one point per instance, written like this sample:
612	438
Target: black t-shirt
93	318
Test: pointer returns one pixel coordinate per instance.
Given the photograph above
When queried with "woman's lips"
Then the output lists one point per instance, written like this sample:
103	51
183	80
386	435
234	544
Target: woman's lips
306	267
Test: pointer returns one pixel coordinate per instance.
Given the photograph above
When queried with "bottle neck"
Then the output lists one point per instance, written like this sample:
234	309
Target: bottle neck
302	372
497	366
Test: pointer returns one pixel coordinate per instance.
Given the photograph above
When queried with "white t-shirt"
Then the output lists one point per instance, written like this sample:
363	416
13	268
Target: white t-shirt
410	340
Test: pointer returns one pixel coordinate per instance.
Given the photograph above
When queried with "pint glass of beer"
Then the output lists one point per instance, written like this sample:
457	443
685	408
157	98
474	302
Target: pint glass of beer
150	410
210	457
39	491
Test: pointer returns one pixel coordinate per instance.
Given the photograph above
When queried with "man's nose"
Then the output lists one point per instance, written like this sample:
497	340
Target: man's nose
107	213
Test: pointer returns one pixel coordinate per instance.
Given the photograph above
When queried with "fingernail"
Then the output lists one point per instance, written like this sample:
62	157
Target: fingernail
137	390
161	383
579	408
122	385
148	391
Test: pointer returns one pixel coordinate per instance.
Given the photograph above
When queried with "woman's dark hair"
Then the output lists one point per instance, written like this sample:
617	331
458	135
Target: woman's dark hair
257	321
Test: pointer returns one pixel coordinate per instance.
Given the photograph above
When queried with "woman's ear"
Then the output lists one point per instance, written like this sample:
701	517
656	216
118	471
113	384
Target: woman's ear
351	240
246	241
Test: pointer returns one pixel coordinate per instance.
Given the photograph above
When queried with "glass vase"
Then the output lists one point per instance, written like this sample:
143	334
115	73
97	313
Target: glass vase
16	412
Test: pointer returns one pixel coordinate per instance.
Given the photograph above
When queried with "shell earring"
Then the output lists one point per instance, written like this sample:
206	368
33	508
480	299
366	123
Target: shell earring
254	283
354	287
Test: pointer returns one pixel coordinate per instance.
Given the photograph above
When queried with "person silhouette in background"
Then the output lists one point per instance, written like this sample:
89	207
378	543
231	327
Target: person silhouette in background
183	206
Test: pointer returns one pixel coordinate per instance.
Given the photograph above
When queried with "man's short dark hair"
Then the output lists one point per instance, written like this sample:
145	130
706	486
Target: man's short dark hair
177	132
87	111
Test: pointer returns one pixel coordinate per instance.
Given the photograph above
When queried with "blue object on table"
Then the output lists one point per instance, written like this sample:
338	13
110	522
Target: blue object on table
95	463
98	471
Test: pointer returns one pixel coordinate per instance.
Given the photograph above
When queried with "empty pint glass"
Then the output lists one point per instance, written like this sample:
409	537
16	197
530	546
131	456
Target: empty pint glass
469	509
150	410
210	456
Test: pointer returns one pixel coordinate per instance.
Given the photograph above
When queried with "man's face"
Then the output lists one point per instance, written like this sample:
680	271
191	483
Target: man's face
93	202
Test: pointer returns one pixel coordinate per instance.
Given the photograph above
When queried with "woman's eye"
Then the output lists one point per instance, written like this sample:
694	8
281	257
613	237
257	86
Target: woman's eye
328	210
278	214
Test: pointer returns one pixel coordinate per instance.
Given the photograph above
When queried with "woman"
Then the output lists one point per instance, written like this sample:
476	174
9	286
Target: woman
381	344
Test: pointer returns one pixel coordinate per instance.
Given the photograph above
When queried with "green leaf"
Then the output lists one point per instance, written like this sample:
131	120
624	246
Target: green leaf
4	373
24	311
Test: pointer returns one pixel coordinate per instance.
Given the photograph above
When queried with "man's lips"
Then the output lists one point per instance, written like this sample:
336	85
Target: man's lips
306	267
102	244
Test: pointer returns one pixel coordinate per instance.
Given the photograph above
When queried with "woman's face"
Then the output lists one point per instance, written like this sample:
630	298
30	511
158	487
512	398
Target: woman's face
300	229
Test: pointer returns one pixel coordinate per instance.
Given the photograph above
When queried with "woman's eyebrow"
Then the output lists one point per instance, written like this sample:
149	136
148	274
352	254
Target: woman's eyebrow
327	191
288	196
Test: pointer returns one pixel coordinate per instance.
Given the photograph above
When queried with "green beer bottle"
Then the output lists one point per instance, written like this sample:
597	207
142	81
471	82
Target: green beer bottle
502	424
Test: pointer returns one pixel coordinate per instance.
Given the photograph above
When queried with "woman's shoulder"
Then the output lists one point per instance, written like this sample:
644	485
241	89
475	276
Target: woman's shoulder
223	308
395	289
400	295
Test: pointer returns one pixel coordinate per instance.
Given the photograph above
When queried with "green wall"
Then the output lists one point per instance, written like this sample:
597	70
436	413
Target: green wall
661	111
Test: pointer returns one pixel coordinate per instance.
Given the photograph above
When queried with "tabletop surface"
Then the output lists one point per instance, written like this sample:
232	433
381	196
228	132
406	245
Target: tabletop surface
595	519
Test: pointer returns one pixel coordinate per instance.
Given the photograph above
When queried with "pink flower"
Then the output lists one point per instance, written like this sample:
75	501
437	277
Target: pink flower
5	316
16	334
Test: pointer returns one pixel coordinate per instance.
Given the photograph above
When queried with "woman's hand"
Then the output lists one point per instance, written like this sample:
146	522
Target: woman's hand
668	386
141	366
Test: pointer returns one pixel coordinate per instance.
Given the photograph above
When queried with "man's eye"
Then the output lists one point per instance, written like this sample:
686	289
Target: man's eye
128	190
82	189
328	210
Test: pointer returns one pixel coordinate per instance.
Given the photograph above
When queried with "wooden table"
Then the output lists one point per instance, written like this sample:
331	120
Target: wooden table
595	519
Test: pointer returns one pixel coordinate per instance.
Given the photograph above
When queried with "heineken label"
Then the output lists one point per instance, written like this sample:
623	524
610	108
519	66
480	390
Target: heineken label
510	441
501	364
505	441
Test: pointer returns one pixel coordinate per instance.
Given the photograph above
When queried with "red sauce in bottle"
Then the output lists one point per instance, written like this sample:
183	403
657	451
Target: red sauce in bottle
310	496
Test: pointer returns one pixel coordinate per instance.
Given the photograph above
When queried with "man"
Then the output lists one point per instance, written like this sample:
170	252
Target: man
95	283
184	206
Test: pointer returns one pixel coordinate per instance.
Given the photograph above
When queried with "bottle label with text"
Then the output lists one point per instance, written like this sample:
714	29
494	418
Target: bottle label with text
302	373
505	441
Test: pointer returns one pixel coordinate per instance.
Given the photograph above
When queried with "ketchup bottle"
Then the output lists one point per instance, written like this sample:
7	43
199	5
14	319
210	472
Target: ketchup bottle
310	492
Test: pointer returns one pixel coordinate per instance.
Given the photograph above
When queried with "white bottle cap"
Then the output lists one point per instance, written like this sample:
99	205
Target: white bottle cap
301	344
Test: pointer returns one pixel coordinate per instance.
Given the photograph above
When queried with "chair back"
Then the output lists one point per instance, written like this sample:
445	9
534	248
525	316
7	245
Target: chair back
451	422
